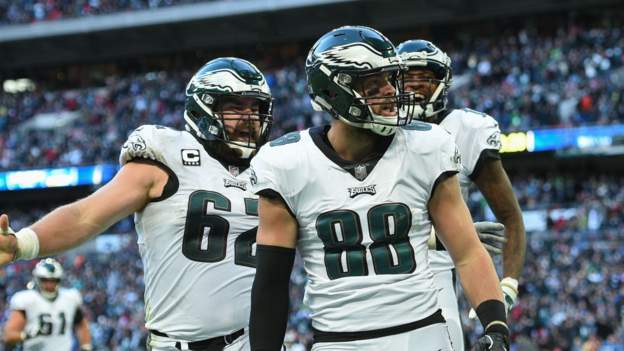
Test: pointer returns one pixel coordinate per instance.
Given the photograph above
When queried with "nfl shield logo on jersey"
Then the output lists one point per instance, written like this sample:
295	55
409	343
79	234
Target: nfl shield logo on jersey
360	172
234	171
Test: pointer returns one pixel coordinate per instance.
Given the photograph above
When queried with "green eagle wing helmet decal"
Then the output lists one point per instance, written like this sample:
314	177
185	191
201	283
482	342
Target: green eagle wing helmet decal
228	77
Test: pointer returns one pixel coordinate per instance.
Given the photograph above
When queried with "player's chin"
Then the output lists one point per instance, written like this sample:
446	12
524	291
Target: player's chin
389	112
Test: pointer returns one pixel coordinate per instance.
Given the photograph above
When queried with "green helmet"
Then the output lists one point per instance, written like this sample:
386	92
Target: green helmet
224	78
343	57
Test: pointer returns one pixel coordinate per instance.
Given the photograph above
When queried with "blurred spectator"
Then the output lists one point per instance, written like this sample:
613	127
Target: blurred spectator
524	79
29	11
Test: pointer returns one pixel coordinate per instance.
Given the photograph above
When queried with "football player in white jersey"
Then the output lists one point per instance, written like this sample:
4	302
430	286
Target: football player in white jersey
42	318
195	216
478	139
358	199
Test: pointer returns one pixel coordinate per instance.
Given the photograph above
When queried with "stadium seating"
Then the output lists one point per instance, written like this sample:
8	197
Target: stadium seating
524	79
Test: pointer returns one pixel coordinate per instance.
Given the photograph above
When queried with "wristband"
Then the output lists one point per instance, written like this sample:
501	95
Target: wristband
493	316
27	244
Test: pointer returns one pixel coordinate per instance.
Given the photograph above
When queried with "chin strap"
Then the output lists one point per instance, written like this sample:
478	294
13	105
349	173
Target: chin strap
245	152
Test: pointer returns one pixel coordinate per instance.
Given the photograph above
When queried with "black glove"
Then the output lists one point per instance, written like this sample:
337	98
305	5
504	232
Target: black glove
492	341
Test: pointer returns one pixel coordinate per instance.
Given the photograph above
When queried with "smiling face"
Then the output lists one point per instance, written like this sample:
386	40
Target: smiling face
422	83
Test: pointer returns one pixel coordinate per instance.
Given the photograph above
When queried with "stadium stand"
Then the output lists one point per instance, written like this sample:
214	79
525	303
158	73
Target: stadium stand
516	78
14	12
565	71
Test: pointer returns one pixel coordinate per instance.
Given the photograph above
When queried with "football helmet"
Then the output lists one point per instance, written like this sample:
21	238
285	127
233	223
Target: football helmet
348	55
423	54
221	78
47	269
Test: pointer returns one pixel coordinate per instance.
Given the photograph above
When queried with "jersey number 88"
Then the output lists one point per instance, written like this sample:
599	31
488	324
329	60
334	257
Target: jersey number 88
388	226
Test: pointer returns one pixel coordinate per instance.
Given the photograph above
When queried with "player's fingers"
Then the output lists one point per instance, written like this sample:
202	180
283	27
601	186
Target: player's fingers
4	224
489	226
492	237
493	249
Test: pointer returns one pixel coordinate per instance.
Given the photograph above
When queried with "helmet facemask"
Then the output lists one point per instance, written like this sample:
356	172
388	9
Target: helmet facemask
381	96
220	118
346	96
430	92
428	66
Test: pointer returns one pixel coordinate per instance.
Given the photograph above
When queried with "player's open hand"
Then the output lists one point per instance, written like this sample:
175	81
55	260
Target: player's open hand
492	236
8	243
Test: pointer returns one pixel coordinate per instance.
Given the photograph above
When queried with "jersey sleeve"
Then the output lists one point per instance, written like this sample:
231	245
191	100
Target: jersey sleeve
19	302
268	176
449	160
142	143
77	297
481	144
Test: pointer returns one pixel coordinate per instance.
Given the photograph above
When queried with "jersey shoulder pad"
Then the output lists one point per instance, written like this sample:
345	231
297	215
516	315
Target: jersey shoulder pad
472	120
478	127
21	300
426	137
285	151
72	295
279	165
147	142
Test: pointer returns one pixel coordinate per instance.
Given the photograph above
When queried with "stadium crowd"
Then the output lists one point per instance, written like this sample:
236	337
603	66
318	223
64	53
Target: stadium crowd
571	297
525	79
572	76
31	11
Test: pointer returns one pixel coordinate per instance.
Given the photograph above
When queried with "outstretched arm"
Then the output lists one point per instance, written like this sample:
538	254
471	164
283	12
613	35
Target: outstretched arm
70	225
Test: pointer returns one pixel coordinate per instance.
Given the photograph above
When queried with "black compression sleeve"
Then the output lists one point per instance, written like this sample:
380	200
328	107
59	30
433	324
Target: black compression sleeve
269	297
493	316
78	317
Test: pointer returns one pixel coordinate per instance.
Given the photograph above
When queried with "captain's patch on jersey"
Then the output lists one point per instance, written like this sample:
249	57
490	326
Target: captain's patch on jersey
359	190
191	157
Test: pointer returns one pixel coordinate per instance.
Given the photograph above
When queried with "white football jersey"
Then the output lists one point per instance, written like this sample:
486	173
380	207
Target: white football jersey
363	228
51	320
196	243
478	138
